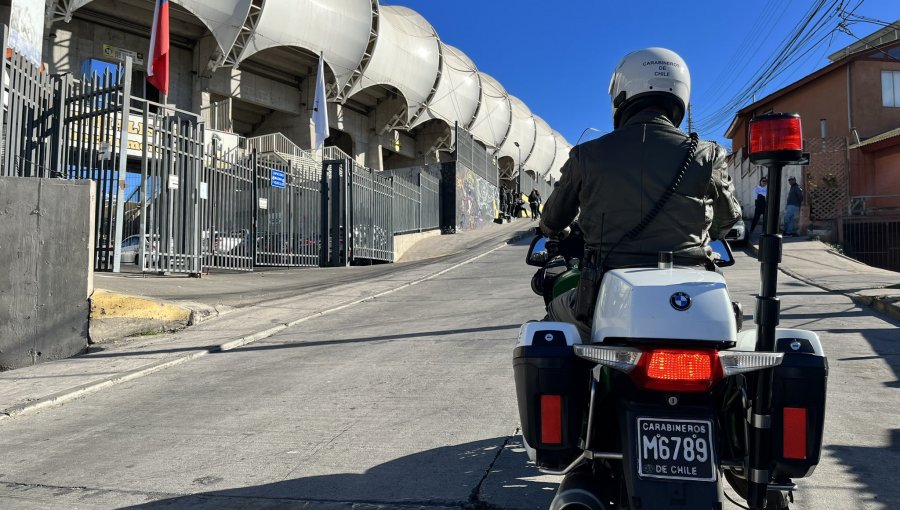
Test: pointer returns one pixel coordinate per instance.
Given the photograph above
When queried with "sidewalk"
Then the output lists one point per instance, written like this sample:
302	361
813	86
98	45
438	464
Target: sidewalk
255	313
816	263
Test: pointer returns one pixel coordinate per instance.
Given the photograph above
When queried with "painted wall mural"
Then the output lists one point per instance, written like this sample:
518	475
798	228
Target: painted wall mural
477	203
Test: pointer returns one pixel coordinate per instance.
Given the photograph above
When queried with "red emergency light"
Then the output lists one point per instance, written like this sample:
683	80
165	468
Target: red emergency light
776	138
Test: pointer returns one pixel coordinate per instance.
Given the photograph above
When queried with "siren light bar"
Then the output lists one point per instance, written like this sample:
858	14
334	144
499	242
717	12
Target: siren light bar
776	138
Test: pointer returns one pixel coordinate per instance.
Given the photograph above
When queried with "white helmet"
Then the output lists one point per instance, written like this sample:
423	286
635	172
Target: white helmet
651	72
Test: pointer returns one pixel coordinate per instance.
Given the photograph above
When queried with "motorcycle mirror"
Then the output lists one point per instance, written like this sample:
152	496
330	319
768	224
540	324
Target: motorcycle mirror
537	252
722	251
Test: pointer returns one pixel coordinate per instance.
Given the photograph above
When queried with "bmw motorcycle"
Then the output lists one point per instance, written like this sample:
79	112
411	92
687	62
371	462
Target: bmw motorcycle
672	397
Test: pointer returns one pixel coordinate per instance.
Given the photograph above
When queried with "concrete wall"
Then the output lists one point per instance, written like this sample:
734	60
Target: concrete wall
45	240
70	44
403	242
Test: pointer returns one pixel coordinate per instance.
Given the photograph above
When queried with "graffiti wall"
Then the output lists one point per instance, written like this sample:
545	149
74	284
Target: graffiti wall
477	203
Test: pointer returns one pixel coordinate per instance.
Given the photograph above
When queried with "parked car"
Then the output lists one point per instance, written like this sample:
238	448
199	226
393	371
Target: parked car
131	248
223	243
738	235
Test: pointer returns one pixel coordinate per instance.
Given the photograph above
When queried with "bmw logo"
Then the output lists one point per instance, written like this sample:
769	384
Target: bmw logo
680	301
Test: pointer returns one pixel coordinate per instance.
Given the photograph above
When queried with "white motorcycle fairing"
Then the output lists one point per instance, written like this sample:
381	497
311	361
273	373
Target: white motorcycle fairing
682	304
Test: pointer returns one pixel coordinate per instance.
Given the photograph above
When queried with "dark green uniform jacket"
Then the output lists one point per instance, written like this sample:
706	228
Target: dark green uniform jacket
616	180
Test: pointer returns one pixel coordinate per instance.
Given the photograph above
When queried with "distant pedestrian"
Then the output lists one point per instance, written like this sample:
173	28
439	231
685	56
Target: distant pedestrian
759	211
534	200
792	208
504	201
510	202
519	210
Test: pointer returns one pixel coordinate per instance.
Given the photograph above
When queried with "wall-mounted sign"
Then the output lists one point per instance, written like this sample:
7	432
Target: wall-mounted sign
116	53
204	190
263	203
173	181
278	179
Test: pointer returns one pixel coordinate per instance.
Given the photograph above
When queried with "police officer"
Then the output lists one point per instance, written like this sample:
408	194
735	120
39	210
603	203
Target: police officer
617	179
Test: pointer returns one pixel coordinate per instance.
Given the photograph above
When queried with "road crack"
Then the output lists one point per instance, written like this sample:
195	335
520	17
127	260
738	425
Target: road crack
475	502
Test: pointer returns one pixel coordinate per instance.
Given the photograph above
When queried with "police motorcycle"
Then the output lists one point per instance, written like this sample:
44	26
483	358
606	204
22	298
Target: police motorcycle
672	395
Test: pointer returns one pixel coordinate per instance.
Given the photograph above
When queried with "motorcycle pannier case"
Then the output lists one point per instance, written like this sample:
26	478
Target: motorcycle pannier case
798	404
552	389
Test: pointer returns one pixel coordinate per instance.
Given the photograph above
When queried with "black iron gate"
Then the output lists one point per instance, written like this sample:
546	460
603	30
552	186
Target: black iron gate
358	217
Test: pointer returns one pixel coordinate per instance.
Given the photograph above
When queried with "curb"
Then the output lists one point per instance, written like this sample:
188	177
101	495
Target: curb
115	316
91	387
64	396
886	306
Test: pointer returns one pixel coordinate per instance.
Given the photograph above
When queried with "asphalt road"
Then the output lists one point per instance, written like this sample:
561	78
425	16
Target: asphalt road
405	401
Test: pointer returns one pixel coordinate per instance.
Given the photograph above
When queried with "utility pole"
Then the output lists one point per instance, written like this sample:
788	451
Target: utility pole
690	119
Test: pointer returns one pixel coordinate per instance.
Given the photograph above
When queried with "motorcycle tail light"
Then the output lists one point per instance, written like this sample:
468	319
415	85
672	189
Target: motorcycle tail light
685	370
551	419
679	370
737	362
623	359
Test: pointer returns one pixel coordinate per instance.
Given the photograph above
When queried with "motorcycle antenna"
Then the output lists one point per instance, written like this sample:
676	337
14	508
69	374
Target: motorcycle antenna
776	140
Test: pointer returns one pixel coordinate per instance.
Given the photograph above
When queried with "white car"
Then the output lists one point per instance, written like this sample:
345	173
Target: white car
131	248
738	235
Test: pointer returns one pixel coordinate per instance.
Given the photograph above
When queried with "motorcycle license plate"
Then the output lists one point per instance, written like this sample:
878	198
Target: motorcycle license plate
675	449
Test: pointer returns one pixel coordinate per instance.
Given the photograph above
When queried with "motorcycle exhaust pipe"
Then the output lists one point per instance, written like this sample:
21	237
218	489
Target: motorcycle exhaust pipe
577	491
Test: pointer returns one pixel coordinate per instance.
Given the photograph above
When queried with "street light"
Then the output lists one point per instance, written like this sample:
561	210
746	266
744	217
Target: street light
519	173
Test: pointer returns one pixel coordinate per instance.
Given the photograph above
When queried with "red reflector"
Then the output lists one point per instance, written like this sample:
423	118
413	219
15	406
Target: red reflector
775	133
679	370
794	433
551	419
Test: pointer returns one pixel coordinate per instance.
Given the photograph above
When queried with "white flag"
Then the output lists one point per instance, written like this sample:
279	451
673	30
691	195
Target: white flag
320	107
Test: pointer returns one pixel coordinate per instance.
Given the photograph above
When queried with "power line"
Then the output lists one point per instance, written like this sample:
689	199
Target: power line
788	46
810	32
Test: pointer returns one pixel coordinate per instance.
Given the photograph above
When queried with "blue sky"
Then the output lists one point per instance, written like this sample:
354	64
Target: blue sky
558	56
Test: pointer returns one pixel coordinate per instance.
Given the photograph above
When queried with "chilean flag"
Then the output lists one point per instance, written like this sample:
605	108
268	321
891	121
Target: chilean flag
158	63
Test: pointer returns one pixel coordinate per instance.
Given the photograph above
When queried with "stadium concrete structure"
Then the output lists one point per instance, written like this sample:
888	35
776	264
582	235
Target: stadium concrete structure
395	89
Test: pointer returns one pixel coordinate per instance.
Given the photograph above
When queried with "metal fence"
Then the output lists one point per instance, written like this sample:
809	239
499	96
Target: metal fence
289	226
872	240
416	199
168	204
227	208
28	116
371	214
171	155
472	155
91	144
218	116
528	182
